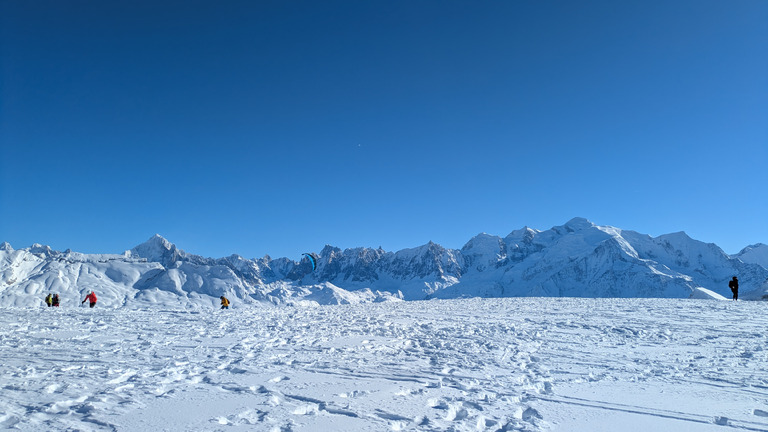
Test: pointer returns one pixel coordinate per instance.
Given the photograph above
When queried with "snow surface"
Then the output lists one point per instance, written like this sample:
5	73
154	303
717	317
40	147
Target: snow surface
524	364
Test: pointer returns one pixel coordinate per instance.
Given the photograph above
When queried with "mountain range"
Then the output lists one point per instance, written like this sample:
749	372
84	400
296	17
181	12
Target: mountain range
577	259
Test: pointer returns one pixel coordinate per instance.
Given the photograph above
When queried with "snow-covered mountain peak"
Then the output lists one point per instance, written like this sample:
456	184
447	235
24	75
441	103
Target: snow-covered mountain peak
329	250
482	235
578	224
160	241
5	246
684	244
526	230
484	244
484	250
236	258
157	249
37	248
754	254
410	252
757	246
521	236
676	238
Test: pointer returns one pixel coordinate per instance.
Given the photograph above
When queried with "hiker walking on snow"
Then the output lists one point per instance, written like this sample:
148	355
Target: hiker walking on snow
55	300
91	298
49	300
224	302
733	284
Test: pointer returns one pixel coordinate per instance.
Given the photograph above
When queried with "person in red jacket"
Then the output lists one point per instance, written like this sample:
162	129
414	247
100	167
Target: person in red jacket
91	298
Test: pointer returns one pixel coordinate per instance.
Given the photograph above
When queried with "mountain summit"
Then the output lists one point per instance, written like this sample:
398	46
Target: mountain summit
756	254
157	249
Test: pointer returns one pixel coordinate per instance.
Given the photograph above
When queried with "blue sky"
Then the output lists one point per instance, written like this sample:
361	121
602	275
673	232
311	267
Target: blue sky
276	127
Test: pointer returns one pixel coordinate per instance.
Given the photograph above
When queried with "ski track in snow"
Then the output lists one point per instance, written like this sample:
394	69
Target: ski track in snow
457	365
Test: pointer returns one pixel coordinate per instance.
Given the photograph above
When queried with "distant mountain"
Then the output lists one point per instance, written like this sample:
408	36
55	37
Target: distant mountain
578	259
755	254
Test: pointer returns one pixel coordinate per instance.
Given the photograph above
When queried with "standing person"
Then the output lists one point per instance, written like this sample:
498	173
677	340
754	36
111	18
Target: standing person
91	298
55	300
733	284
224	302
49	299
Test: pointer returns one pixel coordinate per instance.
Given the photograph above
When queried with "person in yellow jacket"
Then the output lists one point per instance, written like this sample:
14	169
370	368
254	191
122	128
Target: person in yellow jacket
224	302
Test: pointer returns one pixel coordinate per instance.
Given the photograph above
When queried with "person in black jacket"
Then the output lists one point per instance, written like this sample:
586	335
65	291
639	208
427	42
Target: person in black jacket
733	284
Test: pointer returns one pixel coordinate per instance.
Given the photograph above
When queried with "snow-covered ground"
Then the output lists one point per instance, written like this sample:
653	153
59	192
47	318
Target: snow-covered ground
527	364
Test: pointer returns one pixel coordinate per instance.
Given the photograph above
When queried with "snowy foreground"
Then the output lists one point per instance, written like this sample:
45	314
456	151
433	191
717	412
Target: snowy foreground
527	364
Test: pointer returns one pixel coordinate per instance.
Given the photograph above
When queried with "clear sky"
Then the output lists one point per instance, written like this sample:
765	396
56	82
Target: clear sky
276	127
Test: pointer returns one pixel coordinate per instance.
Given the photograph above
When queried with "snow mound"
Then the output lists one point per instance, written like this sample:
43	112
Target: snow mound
705	294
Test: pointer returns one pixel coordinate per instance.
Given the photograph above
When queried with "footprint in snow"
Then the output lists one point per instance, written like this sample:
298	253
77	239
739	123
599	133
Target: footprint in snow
409	392
437	403
354	394
277	379
53	388
456	413
9	420
235	388
236	370
307	409
389	416
247	417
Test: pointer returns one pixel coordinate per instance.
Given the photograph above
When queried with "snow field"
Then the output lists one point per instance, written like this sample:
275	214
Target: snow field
461	365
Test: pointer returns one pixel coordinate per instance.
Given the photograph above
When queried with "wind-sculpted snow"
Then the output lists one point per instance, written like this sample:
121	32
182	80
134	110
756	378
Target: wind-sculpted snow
461	365
578	259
